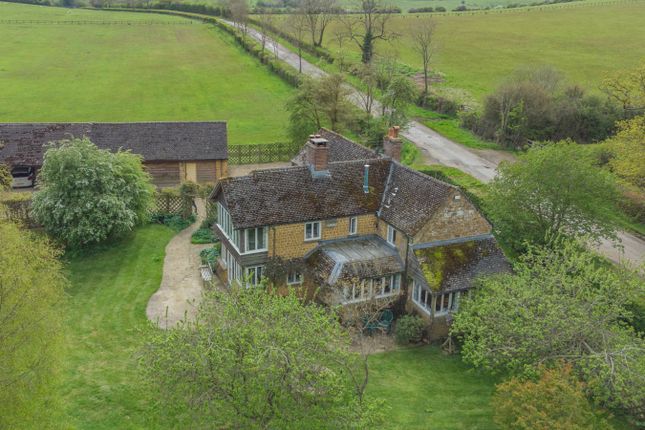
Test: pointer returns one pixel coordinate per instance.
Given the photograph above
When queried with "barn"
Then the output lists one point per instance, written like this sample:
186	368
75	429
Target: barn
172	152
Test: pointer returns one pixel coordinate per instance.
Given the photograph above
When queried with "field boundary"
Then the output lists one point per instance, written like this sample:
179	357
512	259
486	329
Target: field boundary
86	22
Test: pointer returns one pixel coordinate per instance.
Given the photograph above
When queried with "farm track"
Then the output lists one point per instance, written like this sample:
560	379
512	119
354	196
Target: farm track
452	154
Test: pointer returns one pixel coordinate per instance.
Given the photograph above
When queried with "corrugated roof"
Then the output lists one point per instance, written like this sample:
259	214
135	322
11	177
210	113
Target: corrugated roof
23	143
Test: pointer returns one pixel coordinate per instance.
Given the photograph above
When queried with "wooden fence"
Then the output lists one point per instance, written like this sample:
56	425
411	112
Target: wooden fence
262	153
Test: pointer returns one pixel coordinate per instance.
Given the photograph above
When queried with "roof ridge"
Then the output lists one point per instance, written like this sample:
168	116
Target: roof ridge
423	175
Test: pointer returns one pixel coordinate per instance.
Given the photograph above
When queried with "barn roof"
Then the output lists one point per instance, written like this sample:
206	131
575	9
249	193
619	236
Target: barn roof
24	143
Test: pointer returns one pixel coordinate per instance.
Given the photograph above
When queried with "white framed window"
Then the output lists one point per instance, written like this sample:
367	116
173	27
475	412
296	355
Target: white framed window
443	303
294	278
391	235
312	230
225	224
256	239
353	225
372	288
253	275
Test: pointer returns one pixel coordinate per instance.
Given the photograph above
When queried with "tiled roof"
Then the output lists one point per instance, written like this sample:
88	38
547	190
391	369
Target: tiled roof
411	197
455	266
364	257
293	194
340	149
22	143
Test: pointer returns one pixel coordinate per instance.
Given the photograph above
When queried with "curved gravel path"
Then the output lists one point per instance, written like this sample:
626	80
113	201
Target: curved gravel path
181	286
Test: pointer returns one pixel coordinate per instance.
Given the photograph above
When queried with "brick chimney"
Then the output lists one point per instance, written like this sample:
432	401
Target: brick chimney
317	153
392	143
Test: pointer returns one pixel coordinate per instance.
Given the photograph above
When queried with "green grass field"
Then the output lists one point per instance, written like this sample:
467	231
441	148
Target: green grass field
426	389
476	52
134	72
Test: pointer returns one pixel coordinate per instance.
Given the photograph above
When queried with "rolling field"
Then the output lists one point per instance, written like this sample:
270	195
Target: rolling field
477	51
170	71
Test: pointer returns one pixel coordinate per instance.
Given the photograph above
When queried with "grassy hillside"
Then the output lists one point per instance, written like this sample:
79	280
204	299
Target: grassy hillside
134	72
477	51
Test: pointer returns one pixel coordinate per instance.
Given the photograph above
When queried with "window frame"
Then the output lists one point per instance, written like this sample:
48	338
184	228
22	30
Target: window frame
265	239
255	279
299	279
391	235
353	225
312	223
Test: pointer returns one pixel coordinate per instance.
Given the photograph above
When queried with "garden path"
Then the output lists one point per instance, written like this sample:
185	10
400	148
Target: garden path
180	292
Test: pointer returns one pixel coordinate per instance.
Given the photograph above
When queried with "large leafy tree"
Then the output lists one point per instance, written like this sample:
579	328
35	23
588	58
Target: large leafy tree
552	188
89	194
31	296
253	359
561	303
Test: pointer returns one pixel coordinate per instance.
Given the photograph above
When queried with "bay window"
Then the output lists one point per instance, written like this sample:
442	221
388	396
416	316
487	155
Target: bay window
256	239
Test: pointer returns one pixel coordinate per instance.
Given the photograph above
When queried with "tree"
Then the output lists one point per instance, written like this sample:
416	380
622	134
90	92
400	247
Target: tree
424	45
628	149
253	359
5	177
368	26
319	102
318	15
266	23
88	194
240	15
31	330
555	401
628	89
296	25
398	95
552	188
561	303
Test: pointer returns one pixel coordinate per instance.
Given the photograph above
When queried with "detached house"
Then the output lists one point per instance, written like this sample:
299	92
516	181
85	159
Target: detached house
362	224
172	152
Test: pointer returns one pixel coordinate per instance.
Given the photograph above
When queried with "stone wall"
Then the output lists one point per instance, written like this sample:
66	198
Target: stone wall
456	218
288	241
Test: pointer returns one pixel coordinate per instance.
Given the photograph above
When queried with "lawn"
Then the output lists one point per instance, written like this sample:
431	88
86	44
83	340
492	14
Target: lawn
426	389
107	302
477	51
175	71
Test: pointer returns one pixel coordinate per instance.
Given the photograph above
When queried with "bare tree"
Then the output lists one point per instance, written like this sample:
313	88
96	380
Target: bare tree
296	25
266	23
367	96
424	45
369	26
319	14
240	15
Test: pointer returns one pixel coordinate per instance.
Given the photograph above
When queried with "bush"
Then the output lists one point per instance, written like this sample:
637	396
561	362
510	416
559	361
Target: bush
173	221
555	401
440	9
202	236
420	10
5	177
409	328
209	255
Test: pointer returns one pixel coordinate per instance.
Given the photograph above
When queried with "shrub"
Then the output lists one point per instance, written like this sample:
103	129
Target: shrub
420	10
173	221
209	255
440	9
202	236
5	177
555	401
409	328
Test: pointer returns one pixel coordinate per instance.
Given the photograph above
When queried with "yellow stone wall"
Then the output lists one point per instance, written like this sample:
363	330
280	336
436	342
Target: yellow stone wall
288	240
456	218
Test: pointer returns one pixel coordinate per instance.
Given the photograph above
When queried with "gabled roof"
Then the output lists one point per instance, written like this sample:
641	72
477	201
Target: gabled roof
340	149
23	143
292	194
411	198
362	257
453	265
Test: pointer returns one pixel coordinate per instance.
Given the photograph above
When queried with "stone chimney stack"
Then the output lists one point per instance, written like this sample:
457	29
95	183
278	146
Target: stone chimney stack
317	153
392	144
